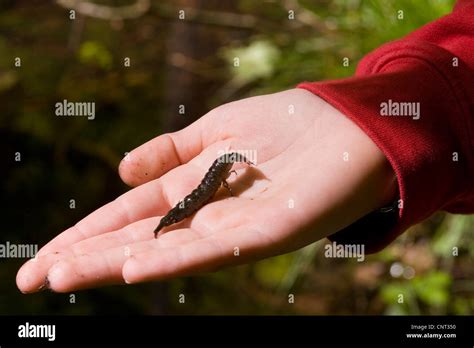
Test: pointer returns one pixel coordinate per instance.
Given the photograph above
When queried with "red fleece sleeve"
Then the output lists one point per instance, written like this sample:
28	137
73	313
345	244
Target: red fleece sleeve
432	152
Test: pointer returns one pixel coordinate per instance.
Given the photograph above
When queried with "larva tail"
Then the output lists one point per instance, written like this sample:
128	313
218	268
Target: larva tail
158	228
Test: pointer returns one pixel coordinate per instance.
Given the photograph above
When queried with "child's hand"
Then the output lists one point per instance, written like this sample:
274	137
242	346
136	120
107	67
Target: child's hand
316	173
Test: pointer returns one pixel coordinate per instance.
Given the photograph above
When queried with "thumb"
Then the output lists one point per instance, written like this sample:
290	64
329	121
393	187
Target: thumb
165	152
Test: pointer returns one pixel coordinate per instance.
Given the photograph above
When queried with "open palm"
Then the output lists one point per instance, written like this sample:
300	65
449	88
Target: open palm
316	173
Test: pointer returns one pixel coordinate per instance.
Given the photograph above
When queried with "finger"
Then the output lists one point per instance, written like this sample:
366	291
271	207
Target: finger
165	152
123	211
150	199
31	276
136	232
105	267
70	271
234	246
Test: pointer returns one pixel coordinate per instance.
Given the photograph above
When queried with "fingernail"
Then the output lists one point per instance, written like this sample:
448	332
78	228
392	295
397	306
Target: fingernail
45	285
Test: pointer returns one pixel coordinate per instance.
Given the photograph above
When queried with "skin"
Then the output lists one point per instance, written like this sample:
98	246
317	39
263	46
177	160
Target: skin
300	157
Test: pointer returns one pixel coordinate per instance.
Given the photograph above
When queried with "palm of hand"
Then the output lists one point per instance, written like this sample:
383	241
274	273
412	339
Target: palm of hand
293	196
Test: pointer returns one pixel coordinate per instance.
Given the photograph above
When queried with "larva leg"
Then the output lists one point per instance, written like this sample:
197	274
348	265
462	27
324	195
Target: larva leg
227	186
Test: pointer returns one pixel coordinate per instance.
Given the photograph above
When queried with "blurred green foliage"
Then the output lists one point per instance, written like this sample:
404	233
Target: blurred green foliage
95	53
77	159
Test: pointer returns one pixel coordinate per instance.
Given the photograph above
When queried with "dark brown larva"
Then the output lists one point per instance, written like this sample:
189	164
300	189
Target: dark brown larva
215	176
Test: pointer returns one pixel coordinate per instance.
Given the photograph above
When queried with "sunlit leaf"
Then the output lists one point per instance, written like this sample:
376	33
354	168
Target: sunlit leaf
93	52
254	61
433	288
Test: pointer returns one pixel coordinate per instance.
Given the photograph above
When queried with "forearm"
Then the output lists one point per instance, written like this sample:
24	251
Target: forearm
415	99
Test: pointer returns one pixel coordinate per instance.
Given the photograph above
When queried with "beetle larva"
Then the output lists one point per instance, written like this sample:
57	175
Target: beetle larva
215	176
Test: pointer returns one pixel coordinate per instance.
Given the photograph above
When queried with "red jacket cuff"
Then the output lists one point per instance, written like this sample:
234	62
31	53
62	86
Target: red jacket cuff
416	104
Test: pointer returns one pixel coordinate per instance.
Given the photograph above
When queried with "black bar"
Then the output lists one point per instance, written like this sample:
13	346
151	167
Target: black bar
241	329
